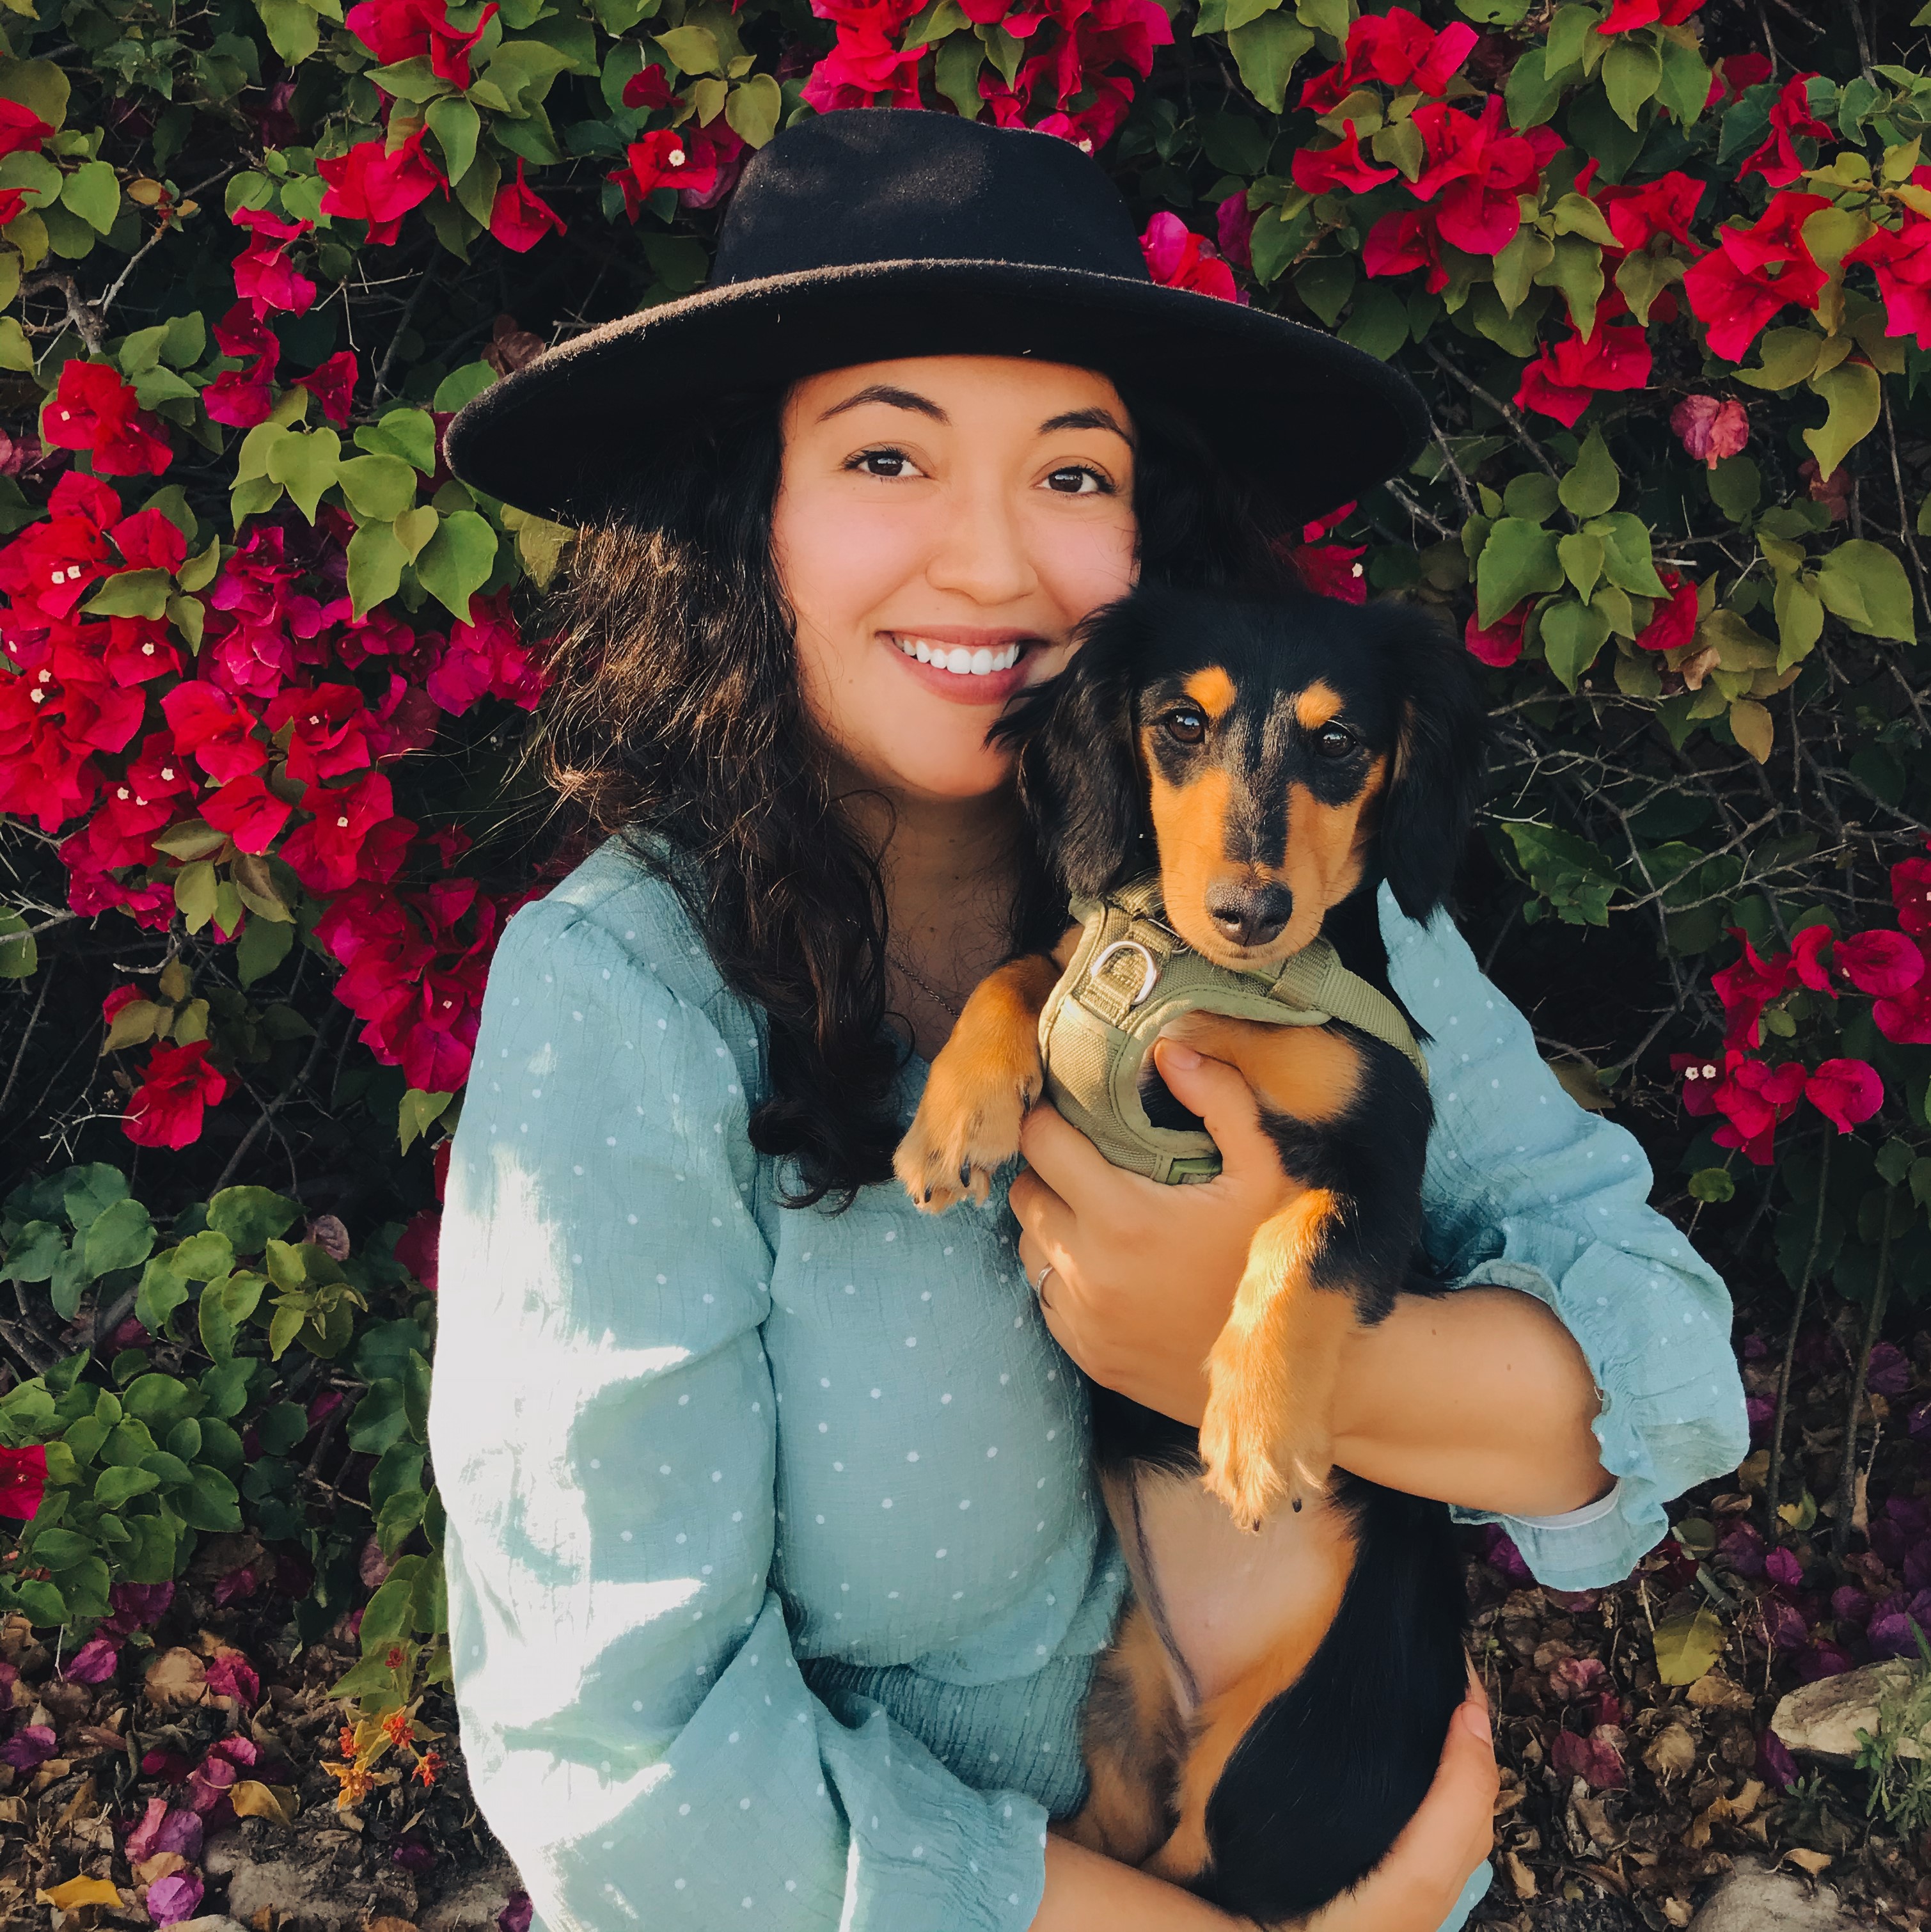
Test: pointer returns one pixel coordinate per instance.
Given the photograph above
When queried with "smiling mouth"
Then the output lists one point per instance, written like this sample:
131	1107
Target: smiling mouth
958	659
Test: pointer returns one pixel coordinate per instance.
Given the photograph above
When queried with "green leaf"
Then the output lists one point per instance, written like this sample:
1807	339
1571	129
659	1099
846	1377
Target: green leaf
251	1217
61	1548
378	487
1378	323
1265	51
294	30
956	71
1576	268
163	1290
19	950
1575	878
1590	490
1581	562
375	559
1735	486
1570	34
1626	553
462	386
1325	285
1800	619
1687	1645
1530	96
210	1503
1632	70
418	1110
1685	85
131	593
264	944
122	1236
305	462
122	1484
752	111
409	434
456	124
694	50
380	1418
1531	495
281	1427
159	1400
1518	560
1572	634
456	561
37	84
93	192
1521	261
1863	584
1577	214
1325	16
1851	390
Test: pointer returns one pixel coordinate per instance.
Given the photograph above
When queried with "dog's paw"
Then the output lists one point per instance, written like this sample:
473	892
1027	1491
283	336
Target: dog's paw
966	1130
1253	1471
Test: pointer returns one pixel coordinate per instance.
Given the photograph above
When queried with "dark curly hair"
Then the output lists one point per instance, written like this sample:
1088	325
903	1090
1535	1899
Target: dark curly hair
675	718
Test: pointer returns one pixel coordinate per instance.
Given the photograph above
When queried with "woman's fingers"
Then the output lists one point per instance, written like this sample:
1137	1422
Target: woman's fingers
1415	1887
1220	1095
1062	1157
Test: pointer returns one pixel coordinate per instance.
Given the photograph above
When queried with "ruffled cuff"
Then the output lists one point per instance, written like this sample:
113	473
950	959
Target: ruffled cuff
1657	1440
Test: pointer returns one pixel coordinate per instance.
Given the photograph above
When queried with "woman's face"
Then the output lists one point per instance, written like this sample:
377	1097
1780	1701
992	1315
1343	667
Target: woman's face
942	524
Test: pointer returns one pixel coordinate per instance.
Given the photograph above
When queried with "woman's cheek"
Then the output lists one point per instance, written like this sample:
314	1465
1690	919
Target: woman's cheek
1089	567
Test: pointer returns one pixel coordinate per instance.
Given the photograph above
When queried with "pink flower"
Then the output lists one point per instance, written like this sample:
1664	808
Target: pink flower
1844	1092
1333	570
264	277
1233	226
177	1897
1501	643
370	184
1745	987
21	128
1566	376
1886	964
1672	622
167	1106
93	409
1900	258
251	814
1479	171
657	160
1397	49
333	385
214	729
1176	258
1777	160
23	1479
1625	15
29	1748
649	90
862	64
1755	273
94	1662
1710	428
400	30
231	1675
1322	170
1637	215
243	397
1401	242
520	219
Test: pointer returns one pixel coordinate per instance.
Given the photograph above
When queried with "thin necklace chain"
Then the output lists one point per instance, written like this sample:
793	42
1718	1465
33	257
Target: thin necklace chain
919	979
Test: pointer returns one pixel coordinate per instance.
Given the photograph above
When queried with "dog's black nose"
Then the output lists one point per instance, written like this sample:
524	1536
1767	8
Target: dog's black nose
1249	915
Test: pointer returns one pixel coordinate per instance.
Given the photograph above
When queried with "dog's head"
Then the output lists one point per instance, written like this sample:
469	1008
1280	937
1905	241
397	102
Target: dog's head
1271	758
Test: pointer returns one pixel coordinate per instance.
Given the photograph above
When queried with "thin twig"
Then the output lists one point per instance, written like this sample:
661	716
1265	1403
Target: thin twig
1773	1481
85	320
1501	408
1847	1474
271	1109
20	1053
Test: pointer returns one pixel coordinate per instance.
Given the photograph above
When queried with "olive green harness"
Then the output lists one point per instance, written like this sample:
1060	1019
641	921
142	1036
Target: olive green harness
1132	975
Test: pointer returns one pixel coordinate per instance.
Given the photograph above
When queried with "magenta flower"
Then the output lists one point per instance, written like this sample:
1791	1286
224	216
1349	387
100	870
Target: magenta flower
1844	1092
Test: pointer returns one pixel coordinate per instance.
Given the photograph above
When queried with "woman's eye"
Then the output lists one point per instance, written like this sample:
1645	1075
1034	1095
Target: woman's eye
1185	728
1335	741
886	463
1075	479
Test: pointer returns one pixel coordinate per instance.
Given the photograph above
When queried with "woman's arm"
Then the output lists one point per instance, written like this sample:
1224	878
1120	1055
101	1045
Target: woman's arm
638	1731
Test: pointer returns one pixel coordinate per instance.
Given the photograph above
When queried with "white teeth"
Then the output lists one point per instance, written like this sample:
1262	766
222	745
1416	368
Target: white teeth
959	660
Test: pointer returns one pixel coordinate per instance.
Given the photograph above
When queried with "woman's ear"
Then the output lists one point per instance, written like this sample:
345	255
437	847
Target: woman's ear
1078	778
1437	769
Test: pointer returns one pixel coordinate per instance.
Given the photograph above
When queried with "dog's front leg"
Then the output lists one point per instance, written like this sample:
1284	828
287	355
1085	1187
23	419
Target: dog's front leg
982	1087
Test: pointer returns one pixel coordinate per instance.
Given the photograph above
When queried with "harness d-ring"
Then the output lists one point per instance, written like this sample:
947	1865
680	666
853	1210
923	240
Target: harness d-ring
1153	975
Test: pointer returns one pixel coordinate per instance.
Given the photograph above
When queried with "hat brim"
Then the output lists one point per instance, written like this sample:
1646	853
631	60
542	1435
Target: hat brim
1315	420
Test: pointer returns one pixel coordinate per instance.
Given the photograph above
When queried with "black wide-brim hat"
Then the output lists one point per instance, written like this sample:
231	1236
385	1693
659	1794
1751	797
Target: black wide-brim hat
875	233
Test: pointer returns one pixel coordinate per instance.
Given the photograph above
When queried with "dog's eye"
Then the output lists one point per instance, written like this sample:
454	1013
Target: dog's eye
1185	727
1335	741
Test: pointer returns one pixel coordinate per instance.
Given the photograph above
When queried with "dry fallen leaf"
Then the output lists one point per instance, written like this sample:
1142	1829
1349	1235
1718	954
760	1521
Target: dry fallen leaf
163	1864
87	1892
1747	1800
254	1800
1714	1691
1677	1911
1520	1876
1813	1862
1673	1753
391	1925
177	1676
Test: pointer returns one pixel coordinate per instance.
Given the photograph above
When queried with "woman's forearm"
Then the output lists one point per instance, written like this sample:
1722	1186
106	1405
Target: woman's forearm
1085	1890
1482	1398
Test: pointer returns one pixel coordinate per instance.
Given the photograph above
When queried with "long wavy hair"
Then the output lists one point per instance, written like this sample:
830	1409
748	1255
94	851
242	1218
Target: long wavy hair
675	718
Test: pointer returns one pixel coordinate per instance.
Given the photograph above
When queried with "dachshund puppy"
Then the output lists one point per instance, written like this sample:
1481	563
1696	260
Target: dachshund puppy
1269	763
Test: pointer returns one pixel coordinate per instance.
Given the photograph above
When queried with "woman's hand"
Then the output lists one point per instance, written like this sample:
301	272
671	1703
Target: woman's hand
1144	1274
1415	1887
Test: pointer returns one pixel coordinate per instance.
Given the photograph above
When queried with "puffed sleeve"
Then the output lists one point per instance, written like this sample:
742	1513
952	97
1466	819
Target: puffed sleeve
1526	1189
636	1727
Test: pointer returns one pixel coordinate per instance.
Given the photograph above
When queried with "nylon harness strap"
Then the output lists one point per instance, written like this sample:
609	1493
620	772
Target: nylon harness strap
1130	976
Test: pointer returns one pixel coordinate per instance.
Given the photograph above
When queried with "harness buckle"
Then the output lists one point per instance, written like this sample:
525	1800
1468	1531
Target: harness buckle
1150	979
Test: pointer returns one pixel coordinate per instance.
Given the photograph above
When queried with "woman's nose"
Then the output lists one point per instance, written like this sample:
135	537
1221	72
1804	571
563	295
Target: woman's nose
982	551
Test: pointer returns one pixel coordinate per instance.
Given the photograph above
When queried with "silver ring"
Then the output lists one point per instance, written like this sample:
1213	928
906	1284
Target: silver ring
1039	1286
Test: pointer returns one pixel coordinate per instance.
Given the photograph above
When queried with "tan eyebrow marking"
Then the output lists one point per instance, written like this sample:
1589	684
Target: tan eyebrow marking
1316	706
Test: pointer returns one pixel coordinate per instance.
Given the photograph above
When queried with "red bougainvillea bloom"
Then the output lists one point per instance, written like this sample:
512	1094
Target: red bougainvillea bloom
864	63
333	385
657	160
354	834
93	1663
1911	894
369	184
265	278
150	541
250	813
1672	621
1745	987
1399	50
1479	170
1333	570
1777	160
649	90
400	30
1904	1018
1755	273
1234	224
520	219
242	397
1562	381
1753	1097
1501	643
1883	963
1844	1092
23	1479
1625	14
21	128
1735	72
167	1106
1710	428
1900	258
1637	215
93	409
121	996
215	729
1400	243
1322	170
1178	258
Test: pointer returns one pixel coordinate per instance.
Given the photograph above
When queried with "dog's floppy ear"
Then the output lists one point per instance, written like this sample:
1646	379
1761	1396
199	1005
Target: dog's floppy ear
1079	778
1437	766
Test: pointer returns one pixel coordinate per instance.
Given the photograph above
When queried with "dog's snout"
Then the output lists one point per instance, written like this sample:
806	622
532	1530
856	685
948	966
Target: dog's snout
1249	915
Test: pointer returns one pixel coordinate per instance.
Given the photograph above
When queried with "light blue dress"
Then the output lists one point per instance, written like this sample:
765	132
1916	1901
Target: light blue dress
776	1571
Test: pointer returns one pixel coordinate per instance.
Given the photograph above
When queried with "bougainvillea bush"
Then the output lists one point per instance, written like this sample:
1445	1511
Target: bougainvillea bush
1663	270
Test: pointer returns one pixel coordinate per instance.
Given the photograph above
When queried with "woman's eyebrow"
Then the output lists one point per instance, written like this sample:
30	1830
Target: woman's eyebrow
896	399
1095	418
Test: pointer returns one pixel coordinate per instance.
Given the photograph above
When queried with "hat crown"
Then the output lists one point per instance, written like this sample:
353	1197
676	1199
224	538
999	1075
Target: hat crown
899	185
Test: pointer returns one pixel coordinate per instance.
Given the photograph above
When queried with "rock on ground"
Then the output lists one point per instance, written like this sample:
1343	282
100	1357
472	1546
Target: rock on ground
1754	1898
1823	1718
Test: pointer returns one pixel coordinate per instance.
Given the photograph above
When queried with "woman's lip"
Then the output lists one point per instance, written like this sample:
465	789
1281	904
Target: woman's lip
989	691
972	639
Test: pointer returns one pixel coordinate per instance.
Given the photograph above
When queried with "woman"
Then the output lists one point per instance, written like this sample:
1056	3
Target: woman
776	1573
